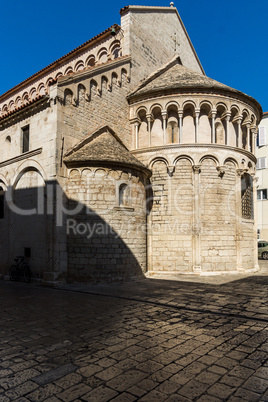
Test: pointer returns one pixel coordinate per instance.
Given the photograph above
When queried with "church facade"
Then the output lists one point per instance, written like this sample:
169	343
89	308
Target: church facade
122	158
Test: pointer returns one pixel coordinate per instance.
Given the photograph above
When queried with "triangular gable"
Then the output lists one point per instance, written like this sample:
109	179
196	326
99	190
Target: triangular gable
102	146
91	136
175	60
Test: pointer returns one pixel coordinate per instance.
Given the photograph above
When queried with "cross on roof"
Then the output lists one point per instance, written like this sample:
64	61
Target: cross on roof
174	38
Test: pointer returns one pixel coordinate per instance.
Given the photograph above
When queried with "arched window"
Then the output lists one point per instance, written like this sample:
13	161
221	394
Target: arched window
2	203
124	195
247	196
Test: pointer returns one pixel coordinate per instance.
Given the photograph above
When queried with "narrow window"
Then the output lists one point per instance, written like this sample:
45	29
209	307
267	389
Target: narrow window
261	163
247	196
2	203
25	139
123	195
262	194
261	136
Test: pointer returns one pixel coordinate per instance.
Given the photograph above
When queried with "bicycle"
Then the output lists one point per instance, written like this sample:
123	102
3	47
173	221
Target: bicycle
20	268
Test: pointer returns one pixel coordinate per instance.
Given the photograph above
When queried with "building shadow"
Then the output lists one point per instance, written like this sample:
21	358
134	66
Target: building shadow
64	240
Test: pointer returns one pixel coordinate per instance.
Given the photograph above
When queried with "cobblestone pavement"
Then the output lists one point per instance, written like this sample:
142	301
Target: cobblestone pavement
190	339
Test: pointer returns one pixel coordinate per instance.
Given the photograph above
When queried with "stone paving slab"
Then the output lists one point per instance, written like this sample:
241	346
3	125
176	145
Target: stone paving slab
185	339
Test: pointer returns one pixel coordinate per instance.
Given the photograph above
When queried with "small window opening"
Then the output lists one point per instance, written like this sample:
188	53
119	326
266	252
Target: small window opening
25	139
116	52
262	194
124	194
8	139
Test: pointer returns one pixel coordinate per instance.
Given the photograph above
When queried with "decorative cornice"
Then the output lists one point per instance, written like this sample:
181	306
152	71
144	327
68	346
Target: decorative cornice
183	146
19	158
62	81
73	53
197	92
24	110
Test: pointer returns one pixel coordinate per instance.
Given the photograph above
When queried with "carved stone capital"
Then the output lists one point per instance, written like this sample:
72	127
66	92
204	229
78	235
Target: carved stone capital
149	117
136	121
197	112
240	172
197	168
164	114
221	170
171	170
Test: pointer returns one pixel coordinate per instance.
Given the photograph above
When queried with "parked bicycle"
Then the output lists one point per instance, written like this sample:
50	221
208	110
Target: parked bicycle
19	269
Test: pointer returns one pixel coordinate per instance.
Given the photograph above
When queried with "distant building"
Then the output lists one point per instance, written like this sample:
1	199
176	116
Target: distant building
123	158
262	175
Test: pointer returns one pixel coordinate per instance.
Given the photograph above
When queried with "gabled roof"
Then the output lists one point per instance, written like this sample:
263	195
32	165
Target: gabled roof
175	77
102	146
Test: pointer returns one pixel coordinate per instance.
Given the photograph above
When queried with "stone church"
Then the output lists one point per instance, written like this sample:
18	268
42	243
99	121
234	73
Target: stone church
123	159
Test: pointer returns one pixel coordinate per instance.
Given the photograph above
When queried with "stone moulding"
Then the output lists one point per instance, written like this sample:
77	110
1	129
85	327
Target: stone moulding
97	73
26	155
26	110
119	208
189	146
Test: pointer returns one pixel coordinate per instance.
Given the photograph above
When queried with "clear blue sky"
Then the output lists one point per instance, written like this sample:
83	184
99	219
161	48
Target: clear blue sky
230	37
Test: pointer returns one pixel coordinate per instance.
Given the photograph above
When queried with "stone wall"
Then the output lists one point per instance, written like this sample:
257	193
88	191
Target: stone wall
171	218
24	176
218	217
106	239
105	107
195	223
149	36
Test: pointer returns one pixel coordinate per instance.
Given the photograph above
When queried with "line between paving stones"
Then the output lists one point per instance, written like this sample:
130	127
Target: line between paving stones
195	310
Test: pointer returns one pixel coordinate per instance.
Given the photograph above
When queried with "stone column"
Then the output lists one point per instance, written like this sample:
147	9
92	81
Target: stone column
213	134
149	121
196	221
136	125
180	126
248	137
238	121
227	118
197	113
254	134
164	117
135	139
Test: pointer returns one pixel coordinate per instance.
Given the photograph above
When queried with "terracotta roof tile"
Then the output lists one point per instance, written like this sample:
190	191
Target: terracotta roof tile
59	60
22	106
175	77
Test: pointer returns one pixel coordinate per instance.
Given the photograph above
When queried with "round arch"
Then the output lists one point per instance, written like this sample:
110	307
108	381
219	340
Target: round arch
172	104
3	182
209	156
178	158
141	109
79	66
28	165
155	106
230	159
207	105
158	159
188	103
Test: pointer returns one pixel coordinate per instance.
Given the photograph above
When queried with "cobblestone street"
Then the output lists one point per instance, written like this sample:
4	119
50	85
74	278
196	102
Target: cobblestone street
190	339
